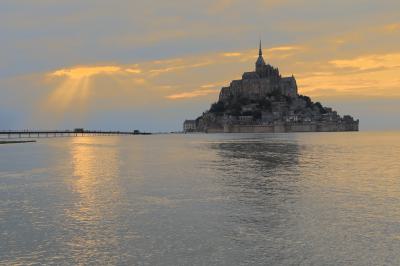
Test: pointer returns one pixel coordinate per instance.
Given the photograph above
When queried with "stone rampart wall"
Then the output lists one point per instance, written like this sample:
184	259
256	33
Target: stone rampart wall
295	127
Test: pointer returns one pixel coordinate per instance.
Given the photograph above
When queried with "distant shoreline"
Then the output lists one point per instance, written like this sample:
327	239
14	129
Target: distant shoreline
15	141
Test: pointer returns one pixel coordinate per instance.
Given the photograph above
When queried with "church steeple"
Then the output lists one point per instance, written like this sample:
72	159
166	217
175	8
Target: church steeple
260	64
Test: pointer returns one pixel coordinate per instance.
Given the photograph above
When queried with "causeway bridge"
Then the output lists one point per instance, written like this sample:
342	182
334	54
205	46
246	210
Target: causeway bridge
63	133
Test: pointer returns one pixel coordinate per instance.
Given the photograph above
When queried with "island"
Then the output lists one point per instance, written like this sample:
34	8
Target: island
263	101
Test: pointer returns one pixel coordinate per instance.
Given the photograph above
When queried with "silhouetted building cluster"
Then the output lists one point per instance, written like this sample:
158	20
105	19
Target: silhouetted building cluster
264	101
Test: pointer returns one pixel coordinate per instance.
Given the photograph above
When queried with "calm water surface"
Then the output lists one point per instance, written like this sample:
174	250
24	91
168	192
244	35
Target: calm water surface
262	199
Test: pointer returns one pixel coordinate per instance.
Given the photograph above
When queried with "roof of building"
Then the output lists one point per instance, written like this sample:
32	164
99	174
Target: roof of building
250	75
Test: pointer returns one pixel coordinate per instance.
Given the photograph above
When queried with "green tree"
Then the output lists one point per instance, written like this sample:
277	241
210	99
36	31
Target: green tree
217	107
320	107
307	99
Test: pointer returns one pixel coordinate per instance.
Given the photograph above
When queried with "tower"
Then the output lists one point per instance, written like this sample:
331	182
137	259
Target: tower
260	63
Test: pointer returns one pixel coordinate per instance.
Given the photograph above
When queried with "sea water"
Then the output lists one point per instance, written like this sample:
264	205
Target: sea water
202	199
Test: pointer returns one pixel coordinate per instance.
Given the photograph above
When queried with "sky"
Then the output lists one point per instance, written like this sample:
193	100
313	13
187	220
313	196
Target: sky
149	65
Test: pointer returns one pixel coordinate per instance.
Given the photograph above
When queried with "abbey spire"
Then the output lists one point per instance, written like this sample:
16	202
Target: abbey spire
260	64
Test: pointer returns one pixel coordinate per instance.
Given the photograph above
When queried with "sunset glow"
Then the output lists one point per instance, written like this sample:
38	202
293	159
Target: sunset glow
211	132
175	60
85	72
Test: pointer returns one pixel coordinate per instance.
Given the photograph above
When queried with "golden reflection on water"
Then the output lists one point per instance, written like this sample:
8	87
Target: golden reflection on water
95	185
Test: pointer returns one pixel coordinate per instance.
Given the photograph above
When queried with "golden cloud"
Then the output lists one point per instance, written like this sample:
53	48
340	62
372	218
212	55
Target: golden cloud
284	48
369	61
75	87
231	54
376	82
85	71
191	94
179	67
213	85
133	70
392	27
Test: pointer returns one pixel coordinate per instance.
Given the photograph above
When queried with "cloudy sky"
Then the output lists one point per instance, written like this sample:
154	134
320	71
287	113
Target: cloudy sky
130	64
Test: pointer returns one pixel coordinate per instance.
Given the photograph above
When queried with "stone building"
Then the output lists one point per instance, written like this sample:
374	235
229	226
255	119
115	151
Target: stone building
189	126
259	83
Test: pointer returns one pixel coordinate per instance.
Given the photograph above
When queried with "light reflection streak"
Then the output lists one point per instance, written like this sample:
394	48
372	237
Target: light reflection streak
95	184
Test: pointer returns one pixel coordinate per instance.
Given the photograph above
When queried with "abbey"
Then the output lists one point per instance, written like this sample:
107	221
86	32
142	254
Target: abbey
259	83
264	101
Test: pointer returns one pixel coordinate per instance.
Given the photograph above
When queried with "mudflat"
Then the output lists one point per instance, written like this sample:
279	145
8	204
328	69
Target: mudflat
15	141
